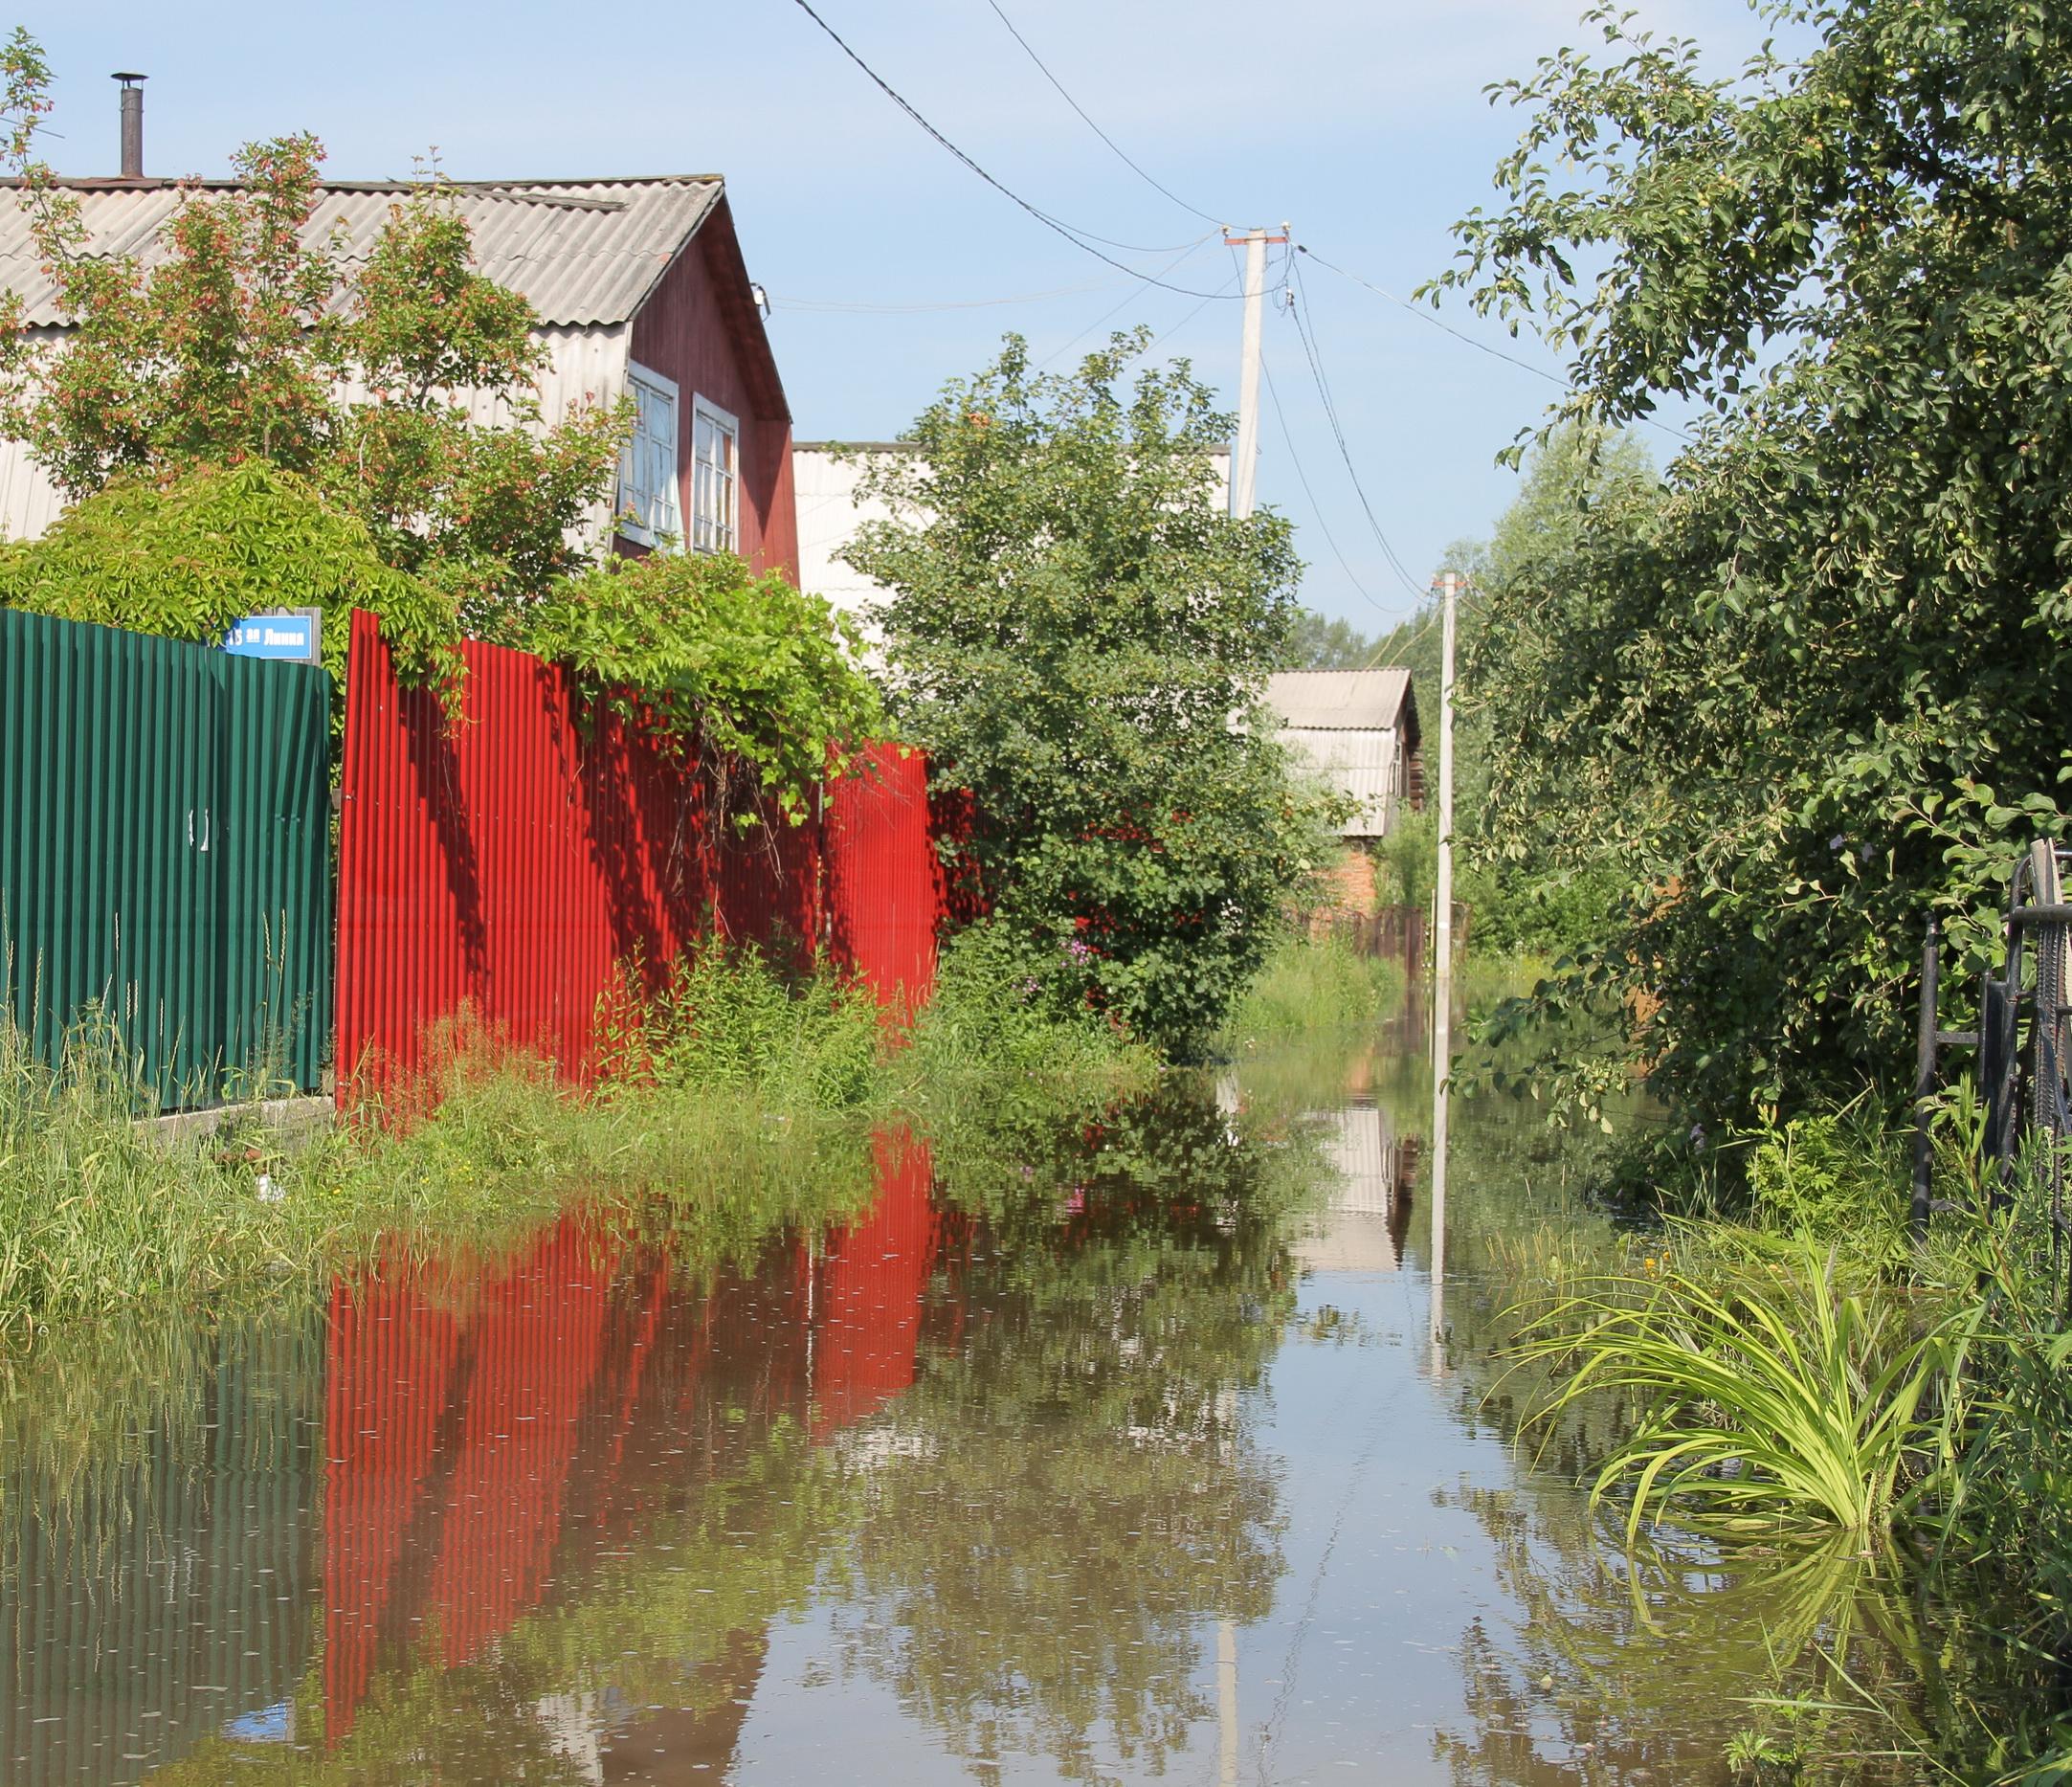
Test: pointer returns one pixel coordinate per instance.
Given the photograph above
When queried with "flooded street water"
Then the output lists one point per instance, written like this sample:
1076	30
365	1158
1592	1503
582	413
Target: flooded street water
1121	1455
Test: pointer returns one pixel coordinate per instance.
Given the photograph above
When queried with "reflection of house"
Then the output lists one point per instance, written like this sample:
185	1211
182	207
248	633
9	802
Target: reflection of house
1363	1227
1358	730
639	291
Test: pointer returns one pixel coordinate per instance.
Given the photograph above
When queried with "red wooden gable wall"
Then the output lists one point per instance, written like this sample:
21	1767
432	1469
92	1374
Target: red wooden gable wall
699	327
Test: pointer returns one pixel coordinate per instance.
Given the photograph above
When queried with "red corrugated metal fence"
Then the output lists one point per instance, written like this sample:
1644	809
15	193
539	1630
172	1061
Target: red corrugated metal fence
507	859
883	879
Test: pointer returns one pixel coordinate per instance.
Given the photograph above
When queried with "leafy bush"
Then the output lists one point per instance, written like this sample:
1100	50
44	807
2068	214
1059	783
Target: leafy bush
991	1027
744	667
186	558
1839	1176
1080	637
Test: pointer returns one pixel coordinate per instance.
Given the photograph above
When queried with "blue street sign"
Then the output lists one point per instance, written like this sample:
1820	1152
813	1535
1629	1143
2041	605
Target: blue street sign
291	637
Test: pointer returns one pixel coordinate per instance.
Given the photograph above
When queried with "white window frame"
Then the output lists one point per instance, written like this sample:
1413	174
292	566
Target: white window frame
719	531
647	501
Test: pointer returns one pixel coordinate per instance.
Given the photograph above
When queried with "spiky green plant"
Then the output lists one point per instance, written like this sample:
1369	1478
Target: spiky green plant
1774	1396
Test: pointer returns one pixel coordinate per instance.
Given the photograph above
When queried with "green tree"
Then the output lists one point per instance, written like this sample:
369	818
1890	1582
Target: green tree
1319	644
1812	692
1079	636
248	341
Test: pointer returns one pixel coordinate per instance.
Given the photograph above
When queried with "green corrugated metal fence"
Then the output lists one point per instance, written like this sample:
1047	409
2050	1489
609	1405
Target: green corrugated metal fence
165	854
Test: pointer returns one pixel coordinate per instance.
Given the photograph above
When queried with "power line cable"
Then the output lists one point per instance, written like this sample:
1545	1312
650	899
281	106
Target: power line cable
1121	153
950	303
1082	240
1460	335
1130	296
1316	508
1338	434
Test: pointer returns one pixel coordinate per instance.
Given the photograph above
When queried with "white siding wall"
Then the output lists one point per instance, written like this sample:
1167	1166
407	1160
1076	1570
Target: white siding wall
581	362
1366	763
829	515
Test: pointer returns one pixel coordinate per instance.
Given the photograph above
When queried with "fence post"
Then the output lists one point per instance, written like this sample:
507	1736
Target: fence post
1924	1080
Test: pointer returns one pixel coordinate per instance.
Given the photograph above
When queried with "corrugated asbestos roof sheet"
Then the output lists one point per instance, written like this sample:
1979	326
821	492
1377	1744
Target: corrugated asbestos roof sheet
1338	700
583	252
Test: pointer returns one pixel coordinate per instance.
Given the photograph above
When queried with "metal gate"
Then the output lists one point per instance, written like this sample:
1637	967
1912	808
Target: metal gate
2024	1043
164	856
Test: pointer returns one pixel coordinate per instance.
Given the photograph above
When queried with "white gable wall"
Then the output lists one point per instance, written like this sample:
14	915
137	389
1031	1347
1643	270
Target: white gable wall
583	362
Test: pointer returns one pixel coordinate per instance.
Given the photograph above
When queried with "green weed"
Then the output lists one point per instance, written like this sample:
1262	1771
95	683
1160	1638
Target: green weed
1312	986
1779	1396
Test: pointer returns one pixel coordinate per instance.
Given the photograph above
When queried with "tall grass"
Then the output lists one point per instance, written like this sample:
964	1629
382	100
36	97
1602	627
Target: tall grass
738	1098
1307	986
96	1216
729	1017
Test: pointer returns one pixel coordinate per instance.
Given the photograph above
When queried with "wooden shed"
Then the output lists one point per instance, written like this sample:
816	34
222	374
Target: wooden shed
1358	730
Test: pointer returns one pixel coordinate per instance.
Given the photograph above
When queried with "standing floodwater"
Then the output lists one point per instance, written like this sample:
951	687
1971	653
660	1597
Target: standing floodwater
1118	1455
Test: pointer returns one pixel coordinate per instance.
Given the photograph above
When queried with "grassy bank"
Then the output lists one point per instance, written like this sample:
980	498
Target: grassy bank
1798	1377
1306	986
737	1101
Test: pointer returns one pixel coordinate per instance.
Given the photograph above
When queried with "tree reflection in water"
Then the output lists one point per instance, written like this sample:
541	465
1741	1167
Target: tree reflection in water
1050	1520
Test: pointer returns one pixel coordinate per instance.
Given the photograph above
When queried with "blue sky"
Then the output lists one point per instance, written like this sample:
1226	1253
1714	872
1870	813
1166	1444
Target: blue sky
1363	122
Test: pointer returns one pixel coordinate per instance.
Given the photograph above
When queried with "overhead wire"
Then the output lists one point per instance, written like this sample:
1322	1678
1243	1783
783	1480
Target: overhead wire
1460	335
947	303
1085	241
1082	240
1316	508
1338	434
1133	294
1122	154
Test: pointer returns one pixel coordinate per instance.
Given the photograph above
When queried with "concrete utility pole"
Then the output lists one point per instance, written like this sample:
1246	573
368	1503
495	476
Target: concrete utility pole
1442	964
1245	458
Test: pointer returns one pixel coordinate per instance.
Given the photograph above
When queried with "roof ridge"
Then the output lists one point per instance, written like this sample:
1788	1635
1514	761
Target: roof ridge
518	186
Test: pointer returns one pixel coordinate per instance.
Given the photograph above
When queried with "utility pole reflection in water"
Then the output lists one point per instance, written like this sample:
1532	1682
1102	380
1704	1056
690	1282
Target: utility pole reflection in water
1442	961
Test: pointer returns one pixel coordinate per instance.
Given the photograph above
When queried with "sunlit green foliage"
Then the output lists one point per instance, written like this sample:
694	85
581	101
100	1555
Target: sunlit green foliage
1079	636
1813	691
760	678
1773	1395
188	558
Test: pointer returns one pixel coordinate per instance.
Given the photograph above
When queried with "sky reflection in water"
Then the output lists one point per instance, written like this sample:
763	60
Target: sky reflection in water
979	1487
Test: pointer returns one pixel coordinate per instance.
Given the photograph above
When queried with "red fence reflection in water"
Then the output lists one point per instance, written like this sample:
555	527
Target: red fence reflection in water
508	861
867	1315
489	1437
392	1358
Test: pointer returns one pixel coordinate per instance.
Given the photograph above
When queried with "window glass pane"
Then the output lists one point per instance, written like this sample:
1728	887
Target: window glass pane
647	495
715	450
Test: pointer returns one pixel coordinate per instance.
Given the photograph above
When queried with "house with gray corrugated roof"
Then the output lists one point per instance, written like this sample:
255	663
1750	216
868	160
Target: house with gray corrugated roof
639	288
1358	730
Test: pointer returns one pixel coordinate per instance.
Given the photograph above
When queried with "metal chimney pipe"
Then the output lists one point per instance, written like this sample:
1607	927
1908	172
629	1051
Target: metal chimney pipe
132	126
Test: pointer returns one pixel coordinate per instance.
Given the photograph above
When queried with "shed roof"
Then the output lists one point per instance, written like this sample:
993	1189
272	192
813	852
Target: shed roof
582	252
1361	701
